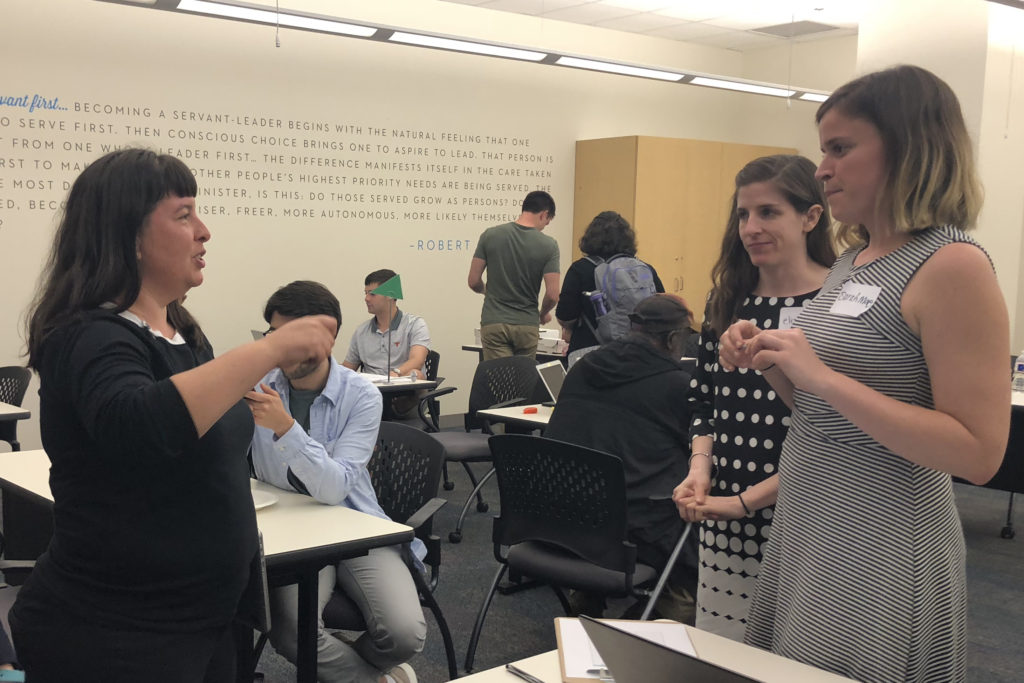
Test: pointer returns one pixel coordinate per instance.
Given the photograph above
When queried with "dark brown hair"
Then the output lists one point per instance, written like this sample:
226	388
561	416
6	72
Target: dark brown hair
93	257
734	276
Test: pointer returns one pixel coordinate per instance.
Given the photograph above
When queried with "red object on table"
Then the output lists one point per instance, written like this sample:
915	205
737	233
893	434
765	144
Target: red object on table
530	409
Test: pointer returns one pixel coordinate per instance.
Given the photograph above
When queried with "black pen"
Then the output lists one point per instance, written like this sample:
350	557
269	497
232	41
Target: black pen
516	671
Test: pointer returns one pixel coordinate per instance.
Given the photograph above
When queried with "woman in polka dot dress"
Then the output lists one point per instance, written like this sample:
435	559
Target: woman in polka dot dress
775	255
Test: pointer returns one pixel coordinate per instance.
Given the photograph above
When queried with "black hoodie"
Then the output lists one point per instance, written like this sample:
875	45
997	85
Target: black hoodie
628	398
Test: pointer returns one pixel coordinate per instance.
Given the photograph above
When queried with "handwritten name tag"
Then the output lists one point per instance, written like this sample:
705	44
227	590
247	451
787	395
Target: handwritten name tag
787	316
854	299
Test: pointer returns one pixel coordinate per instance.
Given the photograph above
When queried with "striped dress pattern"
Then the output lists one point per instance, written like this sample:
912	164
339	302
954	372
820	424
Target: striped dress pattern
748	423
864	574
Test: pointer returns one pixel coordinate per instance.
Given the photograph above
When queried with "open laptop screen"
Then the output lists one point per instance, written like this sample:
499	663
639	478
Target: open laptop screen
552	375
633	659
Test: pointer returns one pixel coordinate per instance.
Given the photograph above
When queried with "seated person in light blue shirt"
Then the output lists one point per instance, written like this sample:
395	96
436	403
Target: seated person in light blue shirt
409	341
316	425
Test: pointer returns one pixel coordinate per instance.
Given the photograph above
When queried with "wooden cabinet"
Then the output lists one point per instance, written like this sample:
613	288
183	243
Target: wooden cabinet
675	193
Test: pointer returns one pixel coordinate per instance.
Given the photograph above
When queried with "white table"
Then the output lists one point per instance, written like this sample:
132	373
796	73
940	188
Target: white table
516	416
758	664
300	537
9	413
404	385
542	356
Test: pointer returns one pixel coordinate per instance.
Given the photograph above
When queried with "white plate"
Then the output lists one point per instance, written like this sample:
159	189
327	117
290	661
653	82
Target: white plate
262	499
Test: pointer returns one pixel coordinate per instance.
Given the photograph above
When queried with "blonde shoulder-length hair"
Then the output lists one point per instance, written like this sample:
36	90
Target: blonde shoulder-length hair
931	176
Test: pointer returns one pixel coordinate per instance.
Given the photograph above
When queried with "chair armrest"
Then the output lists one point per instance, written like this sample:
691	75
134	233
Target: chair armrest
6	565
486	424
436	393
421	516
431	424
508	404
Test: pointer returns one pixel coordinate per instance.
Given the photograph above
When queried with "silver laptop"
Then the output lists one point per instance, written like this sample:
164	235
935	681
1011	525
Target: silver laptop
552	375
632	659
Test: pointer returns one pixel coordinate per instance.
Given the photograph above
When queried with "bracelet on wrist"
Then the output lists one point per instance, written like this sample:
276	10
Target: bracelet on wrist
769	367
744	504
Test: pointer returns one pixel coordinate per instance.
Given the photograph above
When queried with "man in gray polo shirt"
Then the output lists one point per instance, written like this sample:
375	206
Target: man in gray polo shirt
517	258
410	341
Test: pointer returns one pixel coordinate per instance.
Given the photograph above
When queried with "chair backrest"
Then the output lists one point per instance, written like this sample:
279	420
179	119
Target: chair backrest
14	381
405	469
432	363
498	380
562	494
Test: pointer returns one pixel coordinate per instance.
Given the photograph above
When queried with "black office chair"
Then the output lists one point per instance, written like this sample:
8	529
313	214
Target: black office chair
497	383
429	408
563	521
13	385
405	470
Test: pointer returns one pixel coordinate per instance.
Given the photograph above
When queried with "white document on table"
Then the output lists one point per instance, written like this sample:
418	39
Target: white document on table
579	654
383	379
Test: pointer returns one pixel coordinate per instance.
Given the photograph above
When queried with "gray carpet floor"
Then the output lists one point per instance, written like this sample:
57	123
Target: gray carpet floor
521	625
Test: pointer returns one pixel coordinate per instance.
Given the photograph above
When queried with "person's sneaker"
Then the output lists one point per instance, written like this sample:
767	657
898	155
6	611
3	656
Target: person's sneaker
402	673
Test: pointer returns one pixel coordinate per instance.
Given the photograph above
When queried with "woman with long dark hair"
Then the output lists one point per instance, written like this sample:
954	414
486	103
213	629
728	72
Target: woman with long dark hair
154	527
775	253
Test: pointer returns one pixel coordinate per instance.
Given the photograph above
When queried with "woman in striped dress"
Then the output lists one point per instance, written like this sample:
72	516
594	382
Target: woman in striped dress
897	376
775	254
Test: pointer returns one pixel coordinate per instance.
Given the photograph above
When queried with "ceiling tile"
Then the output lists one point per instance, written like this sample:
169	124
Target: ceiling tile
687	31
589	13
533	7
739	40
644	22
722	23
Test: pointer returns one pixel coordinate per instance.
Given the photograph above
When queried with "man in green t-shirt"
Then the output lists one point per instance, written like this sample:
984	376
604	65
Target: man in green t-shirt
517	258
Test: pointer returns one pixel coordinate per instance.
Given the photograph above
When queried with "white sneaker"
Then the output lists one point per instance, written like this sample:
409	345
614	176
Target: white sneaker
402	673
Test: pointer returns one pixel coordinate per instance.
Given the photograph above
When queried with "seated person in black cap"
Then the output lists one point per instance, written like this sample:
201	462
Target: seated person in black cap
628	398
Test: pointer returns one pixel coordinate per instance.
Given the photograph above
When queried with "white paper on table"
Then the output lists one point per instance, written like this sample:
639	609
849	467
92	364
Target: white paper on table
579	654
382	379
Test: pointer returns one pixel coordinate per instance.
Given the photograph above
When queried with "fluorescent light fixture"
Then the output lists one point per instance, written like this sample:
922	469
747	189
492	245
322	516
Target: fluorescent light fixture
813	96
624	69
742	87
466	46
263	16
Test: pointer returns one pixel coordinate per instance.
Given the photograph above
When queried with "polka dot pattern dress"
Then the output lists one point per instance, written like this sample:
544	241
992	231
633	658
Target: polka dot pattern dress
748	423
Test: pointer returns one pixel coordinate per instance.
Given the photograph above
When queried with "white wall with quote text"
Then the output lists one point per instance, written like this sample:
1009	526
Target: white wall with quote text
327	157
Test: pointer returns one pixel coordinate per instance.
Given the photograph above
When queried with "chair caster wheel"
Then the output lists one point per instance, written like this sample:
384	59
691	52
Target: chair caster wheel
455	537
482	506
1008	532
449	485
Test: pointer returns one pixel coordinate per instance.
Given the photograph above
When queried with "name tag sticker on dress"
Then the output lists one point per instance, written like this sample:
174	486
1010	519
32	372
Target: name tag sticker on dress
787	316
854	299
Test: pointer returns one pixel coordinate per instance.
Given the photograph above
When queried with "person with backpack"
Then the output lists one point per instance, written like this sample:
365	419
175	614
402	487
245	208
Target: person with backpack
602	288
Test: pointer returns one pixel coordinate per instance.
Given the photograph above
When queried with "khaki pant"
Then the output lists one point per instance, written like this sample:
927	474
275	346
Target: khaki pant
501	340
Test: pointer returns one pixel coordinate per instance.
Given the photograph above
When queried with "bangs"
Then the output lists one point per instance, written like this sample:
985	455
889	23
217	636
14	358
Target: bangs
176	177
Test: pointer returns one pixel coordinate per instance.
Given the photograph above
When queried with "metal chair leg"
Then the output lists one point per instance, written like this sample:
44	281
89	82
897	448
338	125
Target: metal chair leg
562	599
1008	531
456	536
481	504
478	626
427	597
663	579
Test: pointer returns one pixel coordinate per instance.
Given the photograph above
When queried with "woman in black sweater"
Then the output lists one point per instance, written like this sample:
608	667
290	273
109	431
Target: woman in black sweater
608	235
154	527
